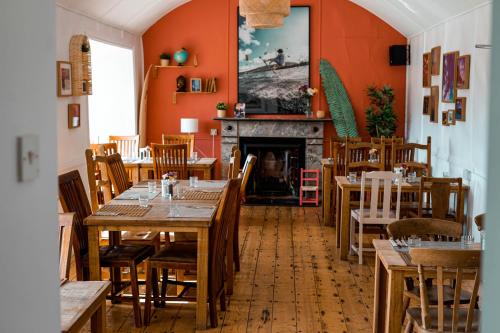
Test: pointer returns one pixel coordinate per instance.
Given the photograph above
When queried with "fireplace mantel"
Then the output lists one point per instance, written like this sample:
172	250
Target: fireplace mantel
301	119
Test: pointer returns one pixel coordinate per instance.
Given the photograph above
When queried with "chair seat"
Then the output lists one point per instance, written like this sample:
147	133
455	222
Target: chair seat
449	294
128	236
356	214
416	315
308	188
177	253
123	254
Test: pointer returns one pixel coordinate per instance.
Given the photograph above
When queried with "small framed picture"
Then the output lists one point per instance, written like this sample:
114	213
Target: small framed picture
434	105
451	117
196	85
449	85
426	70
444	118
427	104
463	72
435	60
64	79
460	108
73	115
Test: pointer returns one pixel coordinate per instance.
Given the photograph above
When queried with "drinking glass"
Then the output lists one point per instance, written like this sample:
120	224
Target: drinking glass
143	199
412	177
152	187
467	240
193	181
195	156
414	241
352	177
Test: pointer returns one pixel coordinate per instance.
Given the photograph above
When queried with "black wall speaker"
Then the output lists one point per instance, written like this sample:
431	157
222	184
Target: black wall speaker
399	55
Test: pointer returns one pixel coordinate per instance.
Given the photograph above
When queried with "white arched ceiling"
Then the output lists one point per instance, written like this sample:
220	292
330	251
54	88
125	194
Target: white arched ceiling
407	16
411	17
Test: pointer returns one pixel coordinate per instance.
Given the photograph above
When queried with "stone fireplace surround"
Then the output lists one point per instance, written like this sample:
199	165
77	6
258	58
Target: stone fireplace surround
312	130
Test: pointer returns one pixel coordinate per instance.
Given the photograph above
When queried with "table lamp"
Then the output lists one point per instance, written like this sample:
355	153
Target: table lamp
189	125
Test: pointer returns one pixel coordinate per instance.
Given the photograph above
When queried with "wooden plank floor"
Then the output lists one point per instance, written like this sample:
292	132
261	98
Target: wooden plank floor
291	280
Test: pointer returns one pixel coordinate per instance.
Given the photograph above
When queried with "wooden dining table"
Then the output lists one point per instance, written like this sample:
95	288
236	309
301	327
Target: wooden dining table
343	207
163	215
140	170
391	269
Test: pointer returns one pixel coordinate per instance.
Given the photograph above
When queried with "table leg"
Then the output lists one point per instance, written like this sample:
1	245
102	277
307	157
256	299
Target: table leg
98	320
337	215
202	279
327	193
344	223
394	309
207	173
135	175
379	297
94	266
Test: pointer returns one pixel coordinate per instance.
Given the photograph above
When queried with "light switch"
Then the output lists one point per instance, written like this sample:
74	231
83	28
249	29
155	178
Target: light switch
27	158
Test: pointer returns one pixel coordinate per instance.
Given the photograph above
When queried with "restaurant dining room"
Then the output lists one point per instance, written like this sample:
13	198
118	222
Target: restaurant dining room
222	166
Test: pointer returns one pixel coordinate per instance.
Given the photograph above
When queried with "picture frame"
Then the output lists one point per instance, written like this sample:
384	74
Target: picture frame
463	72
460	108
434	104
195	85
449	79
74	115
426	105
451	117
64	79
435	60
273	64
426	70
444	118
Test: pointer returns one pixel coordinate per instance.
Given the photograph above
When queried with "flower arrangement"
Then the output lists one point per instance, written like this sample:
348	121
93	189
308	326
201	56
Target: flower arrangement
307	91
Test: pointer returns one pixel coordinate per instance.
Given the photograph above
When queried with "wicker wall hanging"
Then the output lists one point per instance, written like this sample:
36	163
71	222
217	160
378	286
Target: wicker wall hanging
79	56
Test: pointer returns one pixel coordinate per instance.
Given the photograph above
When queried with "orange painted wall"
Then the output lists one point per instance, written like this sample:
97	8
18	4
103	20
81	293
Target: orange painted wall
351	38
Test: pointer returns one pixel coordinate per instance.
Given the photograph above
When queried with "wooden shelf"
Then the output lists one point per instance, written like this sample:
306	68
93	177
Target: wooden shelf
194	65
174	97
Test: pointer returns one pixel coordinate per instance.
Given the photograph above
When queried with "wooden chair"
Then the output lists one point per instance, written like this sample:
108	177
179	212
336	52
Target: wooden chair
183	256
245	177
234	164
100	189
434	198
479	221
66	222
357	157
74	199
170	158
187	139
374	215
460	265
388	142
104	149
406	154
128	146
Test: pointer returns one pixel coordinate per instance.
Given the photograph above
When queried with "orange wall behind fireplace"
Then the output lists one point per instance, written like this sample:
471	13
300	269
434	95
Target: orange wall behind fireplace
355	41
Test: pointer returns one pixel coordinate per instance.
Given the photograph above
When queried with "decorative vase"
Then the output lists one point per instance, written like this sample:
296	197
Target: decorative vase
308	111
164	62
221	113
320	114
181	56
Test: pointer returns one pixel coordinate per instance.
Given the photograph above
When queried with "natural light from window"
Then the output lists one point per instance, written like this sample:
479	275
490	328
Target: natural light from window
112	105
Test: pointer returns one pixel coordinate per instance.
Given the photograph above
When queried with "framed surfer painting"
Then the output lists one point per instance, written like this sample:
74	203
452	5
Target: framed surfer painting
273	64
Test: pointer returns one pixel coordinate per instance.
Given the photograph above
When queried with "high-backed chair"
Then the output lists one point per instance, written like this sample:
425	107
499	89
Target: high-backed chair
74	199
170	158
183	256
373	215
187	139
104	148
358	157
407	154
66	222
128	146
388	142
435	196
234	164
460	265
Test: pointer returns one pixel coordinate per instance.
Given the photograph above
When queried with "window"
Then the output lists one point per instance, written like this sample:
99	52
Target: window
112	106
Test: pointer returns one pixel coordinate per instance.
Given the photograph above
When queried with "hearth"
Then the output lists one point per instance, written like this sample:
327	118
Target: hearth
276	175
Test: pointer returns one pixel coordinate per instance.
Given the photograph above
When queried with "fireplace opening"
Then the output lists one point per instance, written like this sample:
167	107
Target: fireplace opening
276	175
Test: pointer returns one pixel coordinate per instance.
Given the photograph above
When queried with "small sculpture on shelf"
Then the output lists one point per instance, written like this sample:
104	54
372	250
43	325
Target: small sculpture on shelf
239	110
181	84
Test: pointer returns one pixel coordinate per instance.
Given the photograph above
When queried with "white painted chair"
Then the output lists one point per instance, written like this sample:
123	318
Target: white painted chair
374	215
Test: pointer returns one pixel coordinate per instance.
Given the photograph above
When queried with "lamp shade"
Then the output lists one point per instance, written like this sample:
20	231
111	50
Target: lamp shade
262	14
189	125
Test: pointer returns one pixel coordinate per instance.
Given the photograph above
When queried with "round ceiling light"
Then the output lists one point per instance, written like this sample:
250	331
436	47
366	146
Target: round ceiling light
264	14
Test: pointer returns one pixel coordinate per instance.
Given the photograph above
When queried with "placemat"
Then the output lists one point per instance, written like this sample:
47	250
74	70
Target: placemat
126	210
134	195
200	195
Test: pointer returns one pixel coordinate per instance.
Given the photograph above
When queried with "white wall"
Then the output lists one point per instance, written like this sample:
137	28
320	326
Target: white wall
71	143
29	276
463	146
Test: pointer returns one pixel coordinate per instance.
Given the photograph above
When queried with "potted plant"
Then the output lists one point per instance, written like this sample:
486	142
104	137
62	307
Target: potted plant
380	116
221	109
164	59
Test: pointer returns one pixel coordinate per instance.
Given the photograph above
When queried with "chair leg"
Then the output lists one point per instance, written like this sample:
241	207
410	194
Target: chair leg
135	294
236	243
223	301
352	233
115	277
360	246
409	326
406	305
154	282
147	303
180	276
229	268
164	276
212	306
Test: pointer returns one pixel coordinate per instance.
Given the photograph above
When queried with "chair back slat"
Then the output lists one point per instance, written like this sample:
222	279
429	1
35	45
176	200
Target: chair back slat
439	192
127	146
187	139
234	164
66	222
170	158
117	173
445	262
247	170
374	178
